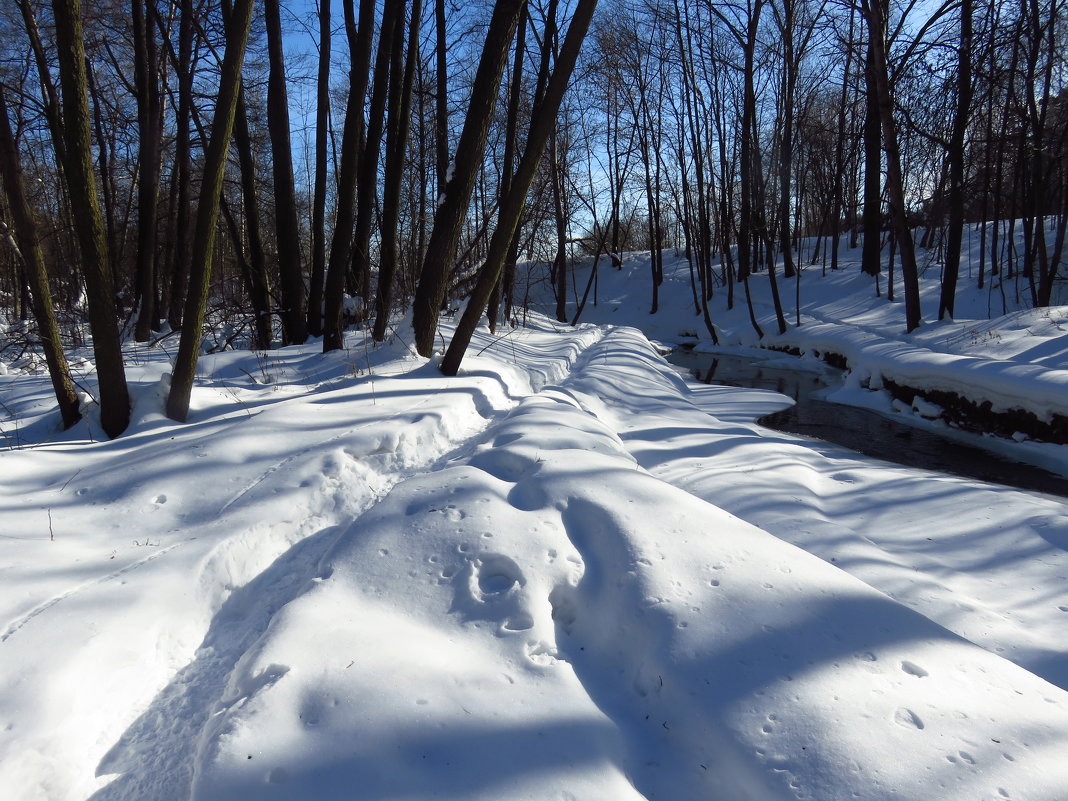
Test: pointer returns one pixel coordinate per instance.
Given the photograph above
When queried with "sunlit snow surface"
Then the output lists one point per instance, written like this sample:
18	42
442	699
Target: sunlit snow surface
348	577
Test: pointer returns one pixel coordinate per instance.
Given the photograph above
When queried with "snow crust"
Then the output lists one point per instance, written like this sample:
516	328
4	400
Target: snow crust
566	573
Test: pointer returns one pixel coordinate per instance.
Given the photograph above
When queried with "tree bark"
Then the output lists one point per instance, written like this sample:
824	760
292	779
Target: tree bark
287	229
441	99
182	166
956	156
208	209
322	132
28	248
367	183
540	128
150	157
511	132
871	256
259	288
396	144
448	222
875	13
352	144
88	221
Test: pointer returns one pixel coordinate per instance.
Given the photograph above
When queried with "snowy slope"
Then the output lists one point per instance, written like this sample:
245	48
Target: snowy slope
350	577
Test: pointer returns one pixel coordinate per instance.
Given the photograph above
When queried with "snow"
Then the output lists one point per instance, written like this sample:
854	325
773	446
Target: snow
566	573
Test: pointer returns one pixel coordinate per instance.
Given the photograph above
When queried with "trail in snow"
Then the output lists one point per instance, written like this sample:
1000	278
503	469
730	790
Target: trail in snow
557	623
156	757
46	605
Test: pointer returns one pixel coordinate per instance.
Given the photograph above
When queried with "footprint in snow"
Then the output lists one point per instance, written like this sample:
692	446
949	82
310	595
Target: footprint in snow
489	587
907	718
913	669
494	576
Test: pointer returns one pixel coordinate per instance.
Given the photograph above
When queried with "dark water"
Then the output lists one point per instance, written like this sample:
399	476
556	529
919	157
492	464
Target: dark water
863	430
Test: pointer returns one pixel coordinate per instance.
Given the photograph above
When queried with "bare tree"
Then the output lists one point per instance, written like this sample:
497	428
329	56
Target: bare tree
441	249
27	243
875	14
322	132
956	155
352	144
88	220
542	123
287	230
150	144
400	102
240	20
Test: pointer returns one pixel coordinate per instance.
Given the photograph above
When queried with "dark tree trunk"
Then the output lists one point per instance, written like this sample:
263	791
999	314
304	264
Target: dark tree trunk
541	127
28	248
150	157
400	103
511	132
871	257
50	97
352	143
560	215
88	221
875	12
367	182
322	133
182	166
441	99
107	184
748	41
839	150
287	229
237	29
256	276
786	146
448	222
956	163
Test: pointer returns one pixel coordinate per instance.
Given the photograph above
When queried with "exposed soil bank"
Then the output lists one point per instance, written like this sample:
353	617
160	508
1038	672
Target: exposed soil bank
864	430
967	414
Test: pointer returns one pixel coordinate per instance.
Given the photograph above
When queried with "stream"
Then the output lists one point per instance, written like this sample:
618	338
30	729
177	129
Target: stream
862	430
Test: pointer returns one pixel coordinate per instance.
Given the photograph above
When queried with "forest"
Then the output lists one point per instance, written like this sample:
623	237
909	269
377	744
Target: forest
282	170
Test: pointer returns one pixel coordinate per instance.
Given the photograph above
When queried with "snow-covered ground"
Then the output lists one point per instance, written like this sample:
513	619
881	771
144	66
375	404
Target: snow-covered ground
566	573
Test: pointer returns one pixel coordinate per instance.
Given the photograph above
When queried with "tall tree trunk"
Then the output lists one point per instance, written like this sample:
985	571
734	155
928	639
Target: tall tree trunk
560	217
786	145
511	132
871	257
182	166
367	183
352	144
88	221
287	229
400	104
105	146
50	97
322	134
745	226
441	99
875	12
448	222
839	149
150	147
956	156
28	248
185	364
541	127
259	289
